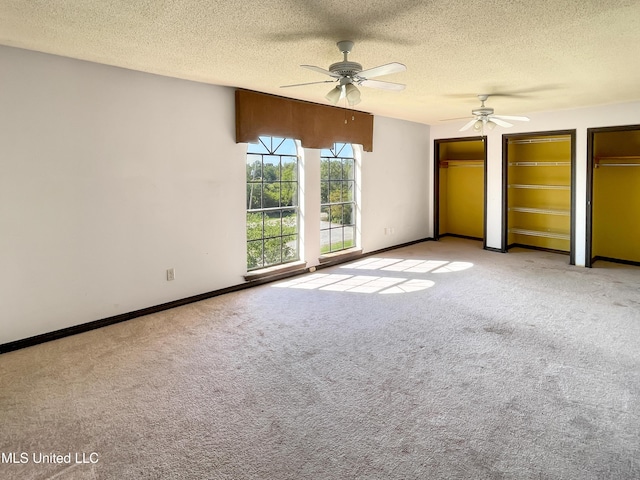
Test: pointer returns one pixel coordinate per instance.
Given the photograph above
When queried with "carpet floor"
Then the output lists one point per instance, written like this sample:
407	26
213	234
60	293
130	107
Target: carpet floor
435	361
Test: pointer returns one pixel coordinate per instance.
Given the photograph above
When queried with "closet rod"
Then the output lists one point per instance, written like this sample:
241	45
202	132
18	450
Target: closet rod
461	163
539	164
540	187
617	165
566	138
617	161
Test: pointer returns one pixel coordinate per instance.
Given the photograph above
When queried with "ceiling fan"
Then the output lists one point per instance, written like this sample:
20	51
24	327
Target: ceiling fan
484	117
349	74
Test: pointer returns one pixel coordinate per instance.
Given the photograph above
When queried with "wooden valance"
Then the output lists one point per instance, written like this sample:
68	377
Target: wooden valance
315	125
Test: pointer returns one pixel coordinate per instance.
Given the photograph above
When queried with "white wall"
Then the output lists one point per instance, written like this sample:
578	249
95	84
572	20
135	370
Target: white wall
395	184
578	119
109	177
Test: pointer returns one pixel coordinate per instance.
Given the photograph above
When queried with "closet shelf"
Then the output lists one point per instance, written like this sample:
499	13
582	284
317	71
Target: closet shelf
541	233
461	163
540	187
545	211
539	164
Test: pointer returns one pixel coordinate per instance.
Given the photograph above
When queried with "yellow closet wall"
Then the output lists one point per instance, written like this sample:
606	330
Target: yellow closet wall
616	196
462	188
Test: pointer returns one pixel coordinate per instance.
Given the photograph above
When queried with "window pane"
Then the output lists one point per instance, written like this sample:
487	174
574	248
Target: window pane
273	251
324	168
272	224
324	191
284	146
289	222
336	214
254	226
271	168
289	169
325	215
289	194
271	195
347	191
347	214
254	167
336	239
289	248
325	241
254	254
275	144
347	151
254	196
335	192
349	237
348	170
336	170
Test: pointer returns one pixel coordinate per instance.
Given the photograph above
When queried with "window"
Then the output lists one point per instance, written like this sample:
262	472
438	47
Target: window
337	198
272	202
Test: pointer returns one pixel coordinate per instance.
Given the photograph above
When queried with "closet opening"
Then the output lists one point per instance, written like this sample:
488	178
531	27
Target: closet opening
613	195
460	188
538	191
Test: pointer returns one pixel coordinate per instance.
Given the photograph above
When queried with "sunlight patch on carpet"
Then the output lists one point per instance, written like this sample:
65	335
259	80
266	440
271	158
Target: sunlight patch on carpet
356	283
413	266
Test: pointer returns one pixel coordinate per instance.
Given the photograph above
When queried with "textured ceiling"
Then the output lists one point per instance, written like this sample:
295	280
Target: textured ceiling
551	54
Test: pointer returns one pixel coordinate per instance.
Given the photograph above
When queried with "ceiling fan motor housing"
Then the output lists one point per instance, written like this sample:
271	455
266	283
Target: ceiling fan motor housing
345	69
484	111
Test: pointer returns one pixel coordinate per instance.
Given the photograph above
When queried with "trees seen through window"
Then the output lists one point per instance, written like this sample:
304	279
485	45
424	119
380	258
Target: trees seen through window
337	198
272	202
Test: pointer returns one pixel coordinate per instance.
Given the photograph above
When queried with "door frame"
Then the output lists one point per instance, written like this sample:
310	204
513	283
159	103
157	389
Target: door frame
436	183
591	133
505	189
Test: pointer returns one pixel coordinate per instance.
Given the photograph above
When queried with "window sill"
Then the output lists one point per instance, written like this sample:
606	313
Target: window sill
277	271
341	256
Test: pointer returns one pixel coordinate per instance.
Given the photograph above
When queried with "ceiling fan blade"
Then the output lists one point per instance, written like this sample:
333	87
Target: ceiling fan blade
452	119
511	117
320	70
310	83
499	91
502	123
382	85
387	69
467	126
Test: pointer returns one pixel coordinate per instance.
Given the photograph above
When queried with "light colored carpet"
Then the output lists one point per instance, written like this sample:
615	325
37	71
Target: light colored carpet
450	362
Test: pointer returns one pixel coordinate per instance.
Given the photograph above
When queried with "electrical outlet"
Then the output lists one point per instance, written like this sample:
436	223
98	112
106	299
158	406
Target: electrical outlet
171	274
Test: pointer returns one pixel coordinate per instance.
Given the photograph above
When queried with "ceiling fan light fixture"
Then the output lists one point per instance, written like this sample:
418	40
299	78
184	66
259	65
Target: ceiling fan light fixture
334	94
352	94
350	74
484	117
